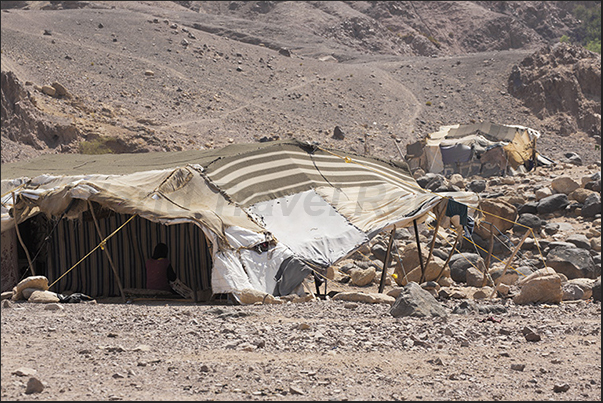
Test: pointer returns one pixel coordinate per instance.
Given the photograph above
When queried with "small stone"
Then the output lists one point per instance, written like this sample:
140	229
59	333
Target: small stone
295	390
532	336
561	387
34	385
518	367
24	371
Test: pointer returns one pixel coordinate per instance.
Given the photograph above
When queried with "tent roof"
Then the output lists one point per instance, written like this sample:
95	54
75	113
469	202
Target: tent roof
320	203
117	164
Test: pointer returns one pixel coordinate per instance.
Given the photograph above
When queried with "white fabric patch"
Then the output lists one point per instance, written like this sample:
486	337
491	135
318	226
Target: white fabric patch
309	226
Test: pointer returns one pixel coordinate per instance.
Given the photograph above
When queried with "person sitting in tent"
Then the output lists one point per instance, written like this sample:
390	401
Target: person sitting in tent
161	274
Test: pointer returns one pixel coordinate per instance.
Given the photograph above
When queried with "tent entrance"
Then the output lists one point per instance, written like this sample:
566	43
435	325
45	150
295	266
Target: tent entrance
129	248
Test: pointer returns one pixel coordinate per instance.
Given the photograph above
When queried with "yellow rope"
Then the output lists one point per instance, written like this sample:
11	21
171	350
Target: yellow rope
100	245
464	237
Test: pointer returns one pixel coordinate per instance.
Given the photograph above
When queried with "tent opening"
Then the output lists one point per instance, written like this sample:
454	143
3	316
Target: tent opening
72	239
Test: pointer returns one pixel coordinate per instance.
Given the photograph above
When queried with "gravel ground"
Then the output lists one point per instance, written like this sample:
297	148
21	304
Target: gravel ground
317	350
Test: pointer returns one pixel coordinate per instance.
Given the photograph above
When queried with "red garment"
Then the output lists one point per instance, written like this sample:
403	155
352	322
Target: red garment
157	278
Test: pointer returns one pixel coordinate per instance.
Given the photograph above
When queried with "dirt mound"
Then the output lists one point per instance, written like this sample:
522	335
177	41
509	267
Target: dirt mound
562	85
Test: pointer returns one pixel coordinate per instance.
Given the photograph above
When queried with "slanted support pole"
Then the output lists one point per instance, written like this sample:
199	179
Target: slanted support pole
387	259
496	283
414	222
33	273
121	290
435	233
456	241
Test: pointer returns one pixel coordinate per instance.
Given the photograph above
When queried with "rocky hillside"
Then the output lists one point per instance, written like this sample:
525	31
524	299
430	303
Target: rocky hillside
96	77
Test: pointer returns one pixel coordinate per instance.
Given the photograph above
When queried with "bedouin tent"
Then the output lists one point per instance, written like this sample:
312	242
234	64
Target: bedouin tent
484	149
259	216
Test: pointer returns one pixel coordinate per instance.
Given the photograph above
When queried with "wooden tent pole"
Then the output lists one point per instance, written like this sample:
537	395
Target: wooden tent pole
456	241
121	290
496	283
414	222
435	233
195	279
20	239
387	259
398	147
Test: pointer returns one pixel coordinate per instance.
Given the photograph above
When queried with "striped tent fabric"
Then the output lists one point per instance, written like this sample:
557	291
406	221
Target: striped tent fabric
231	217
287	168
129	249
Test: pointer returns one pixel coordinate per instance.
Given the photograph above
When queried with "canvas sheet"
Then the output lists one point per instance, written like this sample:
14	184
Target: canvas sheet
309	226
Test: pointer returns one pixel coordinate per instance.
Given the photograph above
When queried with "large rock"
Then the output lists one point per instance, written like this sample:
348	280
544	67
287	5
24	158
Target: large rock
410	260
580	240
578	288
36	282
580	195
542	286
370	298
500	213
459	264
564	184
475	278
543	192
510	277
526	221
572	262
552	203
251	296
592	205
415	301
597	289
362	277
43	296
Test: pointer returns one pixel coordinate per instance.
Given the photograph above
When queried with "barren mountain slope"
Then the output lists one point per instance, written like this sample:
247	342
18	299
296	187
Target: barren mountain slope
145	76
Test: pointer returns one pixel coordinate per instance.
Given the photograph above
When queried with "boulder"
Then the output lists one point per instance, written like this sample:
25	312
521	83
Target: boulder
417	302
251	296
362	277
36	282
564	184
597	289
542	286
457	180
475	277
552	203
543	192
402	277
500	213
509	278
592	205
578	288
477	186
580	240
459	264
370	298
572	262
43	296
580	195
527	220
